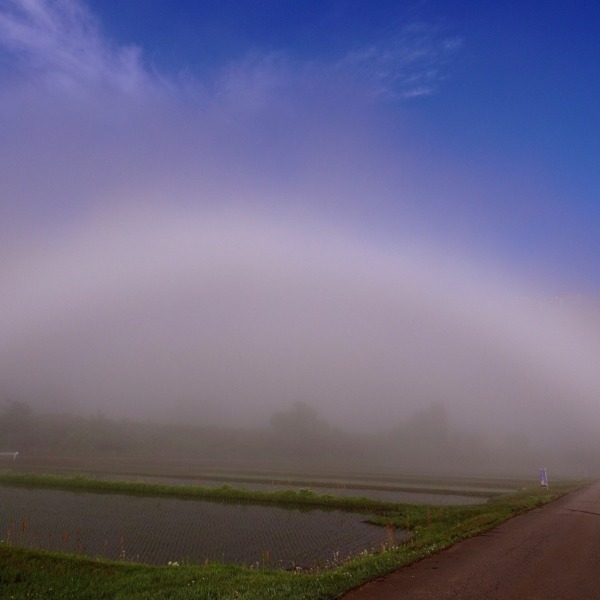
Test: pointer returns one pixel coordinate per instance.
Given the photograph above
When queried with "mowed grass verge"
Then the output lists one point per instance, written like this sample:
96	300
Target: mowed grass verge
34	574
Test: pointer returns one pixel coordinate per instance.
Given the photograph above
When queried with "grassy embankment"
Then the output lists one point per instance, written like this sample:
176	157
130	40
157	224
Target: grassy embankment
34	574
297	497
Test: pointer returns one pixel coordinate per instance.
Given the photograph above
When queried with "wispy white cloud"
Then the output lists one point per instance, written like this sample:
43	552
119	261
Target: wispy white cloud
419	91
61	42
87	122
413	63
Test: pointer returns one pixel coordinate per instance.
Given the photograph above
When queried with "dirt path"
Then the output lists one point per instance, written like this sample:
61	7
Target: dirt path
551	553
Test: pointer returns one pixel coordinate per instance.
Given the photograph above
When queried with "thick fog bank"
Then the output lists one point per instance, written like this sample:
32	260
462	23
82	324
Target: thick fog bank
297	440
225	319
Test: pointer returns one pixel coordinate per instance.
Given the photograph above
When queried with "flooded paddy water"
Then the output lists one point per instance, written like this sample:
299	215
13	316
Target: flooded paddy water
159	530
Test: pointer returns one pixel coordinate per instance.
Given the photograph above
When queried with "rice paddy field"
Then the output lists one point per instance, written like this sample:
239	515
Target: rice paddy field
413	489
102	529
159	530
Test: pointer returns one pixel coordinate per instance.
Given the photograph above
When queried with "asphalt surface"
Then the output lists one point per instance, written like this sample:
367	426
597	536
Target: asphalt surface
552	553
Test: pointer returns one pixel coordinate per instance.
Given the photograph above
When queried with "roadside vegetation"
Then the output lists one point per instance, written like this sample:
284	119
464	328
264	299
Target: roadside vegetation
37	574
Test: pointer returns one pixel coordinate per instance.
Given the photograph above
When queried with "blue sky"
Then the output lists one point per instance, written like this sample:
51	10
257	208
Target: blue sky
488	110
263	202
522	85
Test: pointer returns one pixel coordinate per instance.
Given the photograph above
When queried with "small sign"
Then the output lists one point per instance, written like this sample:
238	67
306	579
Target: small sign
544	478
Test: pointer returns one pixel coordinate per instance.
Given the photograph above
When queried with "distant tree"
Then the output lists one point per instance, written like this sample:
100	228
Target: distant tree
300	419
16	425
301	434
430	422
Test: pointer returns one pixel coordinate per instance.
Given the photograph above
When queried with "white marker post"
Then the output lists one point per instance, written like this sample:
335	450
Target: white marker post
13	454
544	478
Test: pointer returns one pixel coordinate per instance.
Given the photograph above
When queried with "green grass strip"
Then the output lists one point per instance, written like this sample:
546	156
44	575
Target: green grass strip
225	493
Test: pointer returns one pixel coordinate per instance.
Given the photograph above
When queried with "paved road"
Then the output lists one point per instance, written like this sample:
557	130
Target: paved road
552	553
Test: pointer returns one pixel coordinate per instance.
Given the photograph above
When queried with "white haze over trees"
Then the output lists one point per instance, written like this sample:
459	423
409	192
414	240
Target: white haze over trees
214	252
